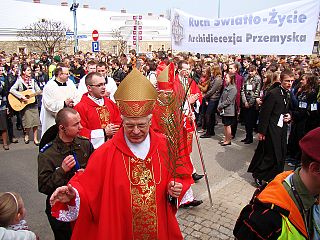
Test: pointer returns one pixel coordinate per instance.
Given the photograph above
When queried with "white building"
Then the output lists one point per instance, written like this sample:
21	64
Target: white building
152	33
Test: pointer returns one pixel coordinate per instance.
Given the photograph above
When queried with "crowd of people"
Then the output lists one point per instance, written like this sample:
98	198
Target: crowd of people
97	106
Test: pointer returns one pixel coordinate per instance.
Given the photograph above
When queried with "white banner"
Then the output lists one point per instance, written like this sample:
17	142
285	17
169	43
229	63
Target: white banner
287	29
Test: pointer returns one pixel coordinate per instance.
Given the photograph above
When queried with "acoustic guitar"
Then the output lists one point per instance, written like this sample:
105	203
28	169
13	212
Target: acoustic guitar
18	104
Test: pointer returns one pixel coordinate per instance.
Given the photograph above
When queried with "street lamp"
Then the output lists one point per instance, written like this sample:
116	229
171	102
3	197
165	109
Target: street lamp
73	8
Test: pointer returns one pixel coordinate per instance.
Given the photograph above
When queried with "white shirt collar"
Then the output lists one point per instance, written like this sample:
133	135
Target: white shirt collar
140	150
99	101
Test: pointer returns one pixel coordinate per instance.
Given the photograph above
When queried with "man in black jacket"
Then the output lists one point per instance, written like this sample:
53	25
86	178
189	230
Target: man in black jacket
117	73
59	160
268	160
78	71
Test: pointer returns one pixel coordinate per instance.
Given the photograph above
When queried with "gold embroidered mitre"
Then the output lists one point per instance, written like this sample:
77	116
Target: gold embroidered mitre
165	78
135	95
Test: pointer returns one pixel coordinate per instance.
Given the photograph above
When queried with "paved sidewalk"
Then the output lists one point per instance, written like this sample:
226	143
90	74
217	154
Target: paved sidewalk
217	222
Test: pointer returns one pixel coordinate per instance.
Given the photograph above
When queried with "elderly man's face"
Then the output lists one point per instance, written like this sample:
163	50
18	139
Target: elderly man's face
136	129
185	70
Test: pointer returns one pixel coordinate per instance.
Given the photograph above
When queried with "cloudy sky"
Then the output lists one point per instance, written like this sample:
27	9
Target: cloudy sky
205	8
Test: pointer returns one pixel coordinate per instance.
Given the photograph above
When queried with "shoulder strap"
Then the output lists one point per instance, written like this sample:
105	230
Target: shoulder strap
24	87
48	145
274	207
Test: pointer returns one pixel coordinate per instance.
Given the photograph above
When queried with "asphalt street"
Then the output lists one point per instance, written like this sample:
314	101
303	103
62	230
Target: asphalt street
226	168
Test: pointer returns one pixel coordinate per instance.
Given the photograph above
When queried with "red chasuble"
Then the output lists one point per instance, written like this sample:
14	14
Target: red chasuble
162	111
189	125
94	116
123	197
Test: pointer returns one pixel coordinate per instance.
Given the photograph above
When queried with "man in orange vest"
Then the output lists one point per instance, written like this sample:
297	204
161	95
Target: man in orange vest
288	207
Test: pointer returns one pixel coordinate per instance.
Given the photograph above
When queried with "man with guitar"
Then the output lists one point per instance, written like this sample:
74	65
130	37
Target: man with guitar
22	89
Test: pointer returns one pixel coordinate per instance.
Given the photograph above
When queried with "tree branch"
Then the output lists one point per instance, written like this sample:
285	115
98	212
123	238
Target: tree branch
44	34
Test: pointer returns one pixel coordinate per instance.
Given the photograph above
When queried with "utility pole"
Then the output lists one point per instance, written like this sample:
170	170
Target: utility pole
73	8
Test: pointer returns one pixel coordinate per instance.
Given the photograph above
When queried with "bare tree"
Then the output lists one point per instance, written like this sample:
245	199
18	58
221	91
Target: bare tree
116	34
45	35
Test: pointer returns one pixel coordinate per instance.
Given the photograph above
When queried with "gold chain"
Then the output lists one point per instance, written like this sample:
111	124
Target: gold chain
157	183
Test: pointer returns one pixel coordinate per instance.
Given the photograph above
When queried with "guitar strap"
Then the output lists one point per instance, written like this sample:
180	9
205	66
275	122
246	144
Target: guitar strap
24	87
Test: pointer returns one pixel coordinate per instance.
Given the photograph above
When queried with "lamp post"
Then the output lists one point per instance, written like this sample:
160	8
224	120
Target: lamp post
219	8
73	8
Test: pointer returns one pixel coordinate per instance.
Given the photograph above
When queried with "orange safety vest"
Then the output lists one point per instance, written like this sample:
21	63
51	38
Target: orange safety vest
276	194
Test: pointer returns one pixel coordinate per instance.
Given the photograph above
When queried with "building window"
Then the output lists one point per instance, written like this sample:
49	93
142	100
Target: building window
115	49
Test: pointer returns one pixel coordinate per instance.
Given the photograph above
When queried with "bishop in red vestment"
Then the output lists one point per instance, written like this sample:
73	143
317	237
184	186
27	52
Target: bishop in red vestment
169	113
193	95
125	190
